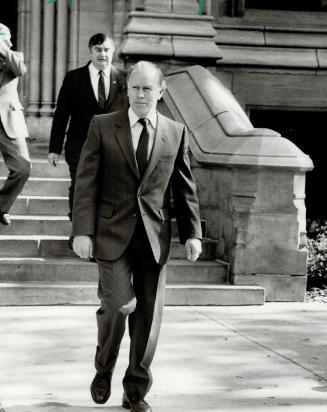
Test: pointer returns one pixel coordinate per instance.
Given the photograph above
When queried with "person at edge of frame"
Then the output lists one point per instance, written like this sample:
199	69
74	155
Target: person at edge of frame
13	129
122	216
98	87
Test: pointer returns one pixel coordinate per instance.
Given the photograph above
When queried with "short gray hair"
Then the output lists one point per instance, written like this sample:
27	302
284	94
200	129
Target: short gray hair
148	64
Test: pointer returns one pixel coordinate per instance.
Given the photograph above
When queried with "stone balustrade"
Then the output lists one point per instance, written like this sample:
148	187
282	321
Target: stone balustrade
251	185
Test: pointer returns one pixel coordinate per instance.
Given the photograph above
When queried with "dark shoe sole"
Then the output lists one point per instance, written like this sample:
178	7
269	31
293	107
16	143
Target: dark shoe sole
98	401
126	404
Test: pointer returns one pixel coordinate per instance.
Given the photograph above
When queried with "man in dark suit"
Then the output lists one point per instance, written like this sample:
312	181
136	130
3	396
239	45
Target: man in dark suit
13	130
99	87
129	164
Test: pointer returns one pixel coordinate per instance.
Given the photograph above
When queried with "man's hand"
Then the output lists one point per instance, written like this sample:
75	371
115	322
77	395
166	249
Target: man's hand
193	249
83	246
53	159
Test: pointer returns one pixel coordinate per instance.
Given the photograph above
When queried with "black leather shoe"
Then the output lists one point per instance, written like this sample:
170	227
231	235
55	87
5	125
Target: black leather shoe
101	387
134	402
5	219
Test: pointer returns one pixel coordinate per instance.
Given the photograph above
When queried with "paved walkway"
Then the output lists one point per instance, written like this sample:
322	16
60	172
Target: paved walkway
235	359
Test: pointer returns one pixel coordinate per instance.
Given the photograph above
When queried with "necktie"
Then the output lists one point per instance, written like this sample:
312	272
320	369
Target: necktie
101	91
142	147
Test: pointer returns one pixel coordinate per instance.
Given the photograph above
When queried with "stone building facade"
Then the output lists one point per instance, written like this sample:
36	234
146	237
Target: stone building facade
273	58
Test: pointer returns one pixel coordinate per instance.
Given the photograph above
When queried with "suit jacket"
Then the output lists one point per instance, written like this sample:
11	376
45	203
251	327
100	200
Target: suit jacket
77	104
110	195
11	109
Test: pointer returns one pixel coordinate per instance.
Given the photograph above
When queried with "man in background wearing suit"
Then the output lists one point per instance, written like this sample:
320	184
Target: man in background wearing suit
99	87
13	130
129	164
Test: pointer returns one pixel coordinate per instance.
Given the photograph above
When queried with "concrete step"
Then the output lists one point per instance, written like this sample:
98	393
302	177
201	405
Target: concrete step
51	225
43	186
57	246
76	270
39	149
40	205
85	293
41	168
37	225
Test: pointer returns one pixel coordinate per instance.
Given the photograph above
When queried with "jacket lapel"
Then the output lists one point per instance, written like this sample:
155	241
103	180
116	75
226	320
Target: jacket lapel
114	86
124	138
159	140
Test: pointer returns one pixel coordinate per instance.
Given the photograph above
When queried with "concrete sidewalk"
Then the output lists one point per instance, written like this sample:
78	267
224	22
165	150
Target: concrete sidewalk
253	358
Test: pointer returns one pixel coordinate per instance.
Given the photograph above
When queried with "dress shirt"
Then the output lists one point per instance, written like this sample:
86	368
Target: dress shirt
94	74
136	128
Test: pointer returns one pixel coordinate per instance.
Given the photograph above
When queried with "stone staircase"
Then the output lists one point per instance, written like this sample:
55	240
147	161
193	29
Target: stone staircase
38	268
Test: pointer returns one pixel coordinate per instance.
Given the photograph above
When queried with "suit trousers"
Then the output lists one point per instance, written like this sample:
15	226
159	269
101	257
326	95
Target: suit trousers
133	286
72	161
16	157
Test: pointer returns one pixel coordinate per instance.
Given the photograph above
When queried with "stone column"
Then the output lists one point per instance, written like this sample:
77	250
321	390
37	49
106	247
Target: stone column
34	60
62	35
47	61
73	51
23	43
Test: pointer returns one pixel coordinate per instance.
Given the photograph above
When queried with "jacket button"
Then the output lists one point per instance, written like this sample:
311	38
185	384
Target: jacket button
134	215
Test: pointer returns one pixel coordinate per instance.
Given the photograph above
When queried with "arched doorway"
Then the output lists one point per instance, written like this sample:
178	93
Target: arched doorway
9	18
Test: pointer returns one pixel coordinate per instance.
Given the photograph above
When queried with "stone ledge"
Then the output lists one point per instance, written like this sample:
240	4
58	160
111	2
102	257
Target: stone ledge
85	293
169	36
170	24
146	45
271	36
279	288
268	57
221	133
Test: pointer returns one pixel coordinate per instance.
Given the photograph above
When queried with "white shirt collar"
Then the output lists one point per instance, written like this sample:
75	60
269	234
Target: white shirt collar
94	71
151	116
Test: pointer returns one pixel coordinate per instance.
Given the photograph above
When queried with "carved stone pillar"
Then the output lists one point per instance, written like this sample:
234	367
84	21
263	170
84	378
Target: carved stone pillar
73	35
34	59
61	46
47	60
23	44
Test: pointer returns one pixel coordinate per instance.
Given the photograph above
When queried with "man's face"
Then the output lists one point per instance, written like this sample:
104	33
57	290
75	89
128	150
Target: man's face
144	90
101	54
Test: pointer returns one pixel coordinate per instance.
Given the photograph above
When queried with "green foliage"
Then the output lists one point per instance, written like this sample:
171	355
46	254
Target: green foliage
317	253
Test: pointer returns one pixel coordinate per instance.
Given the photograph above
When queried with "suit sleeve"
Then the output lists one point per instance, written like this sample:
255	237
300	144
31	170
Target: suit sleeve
185	196
15	63
87	181
61	116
